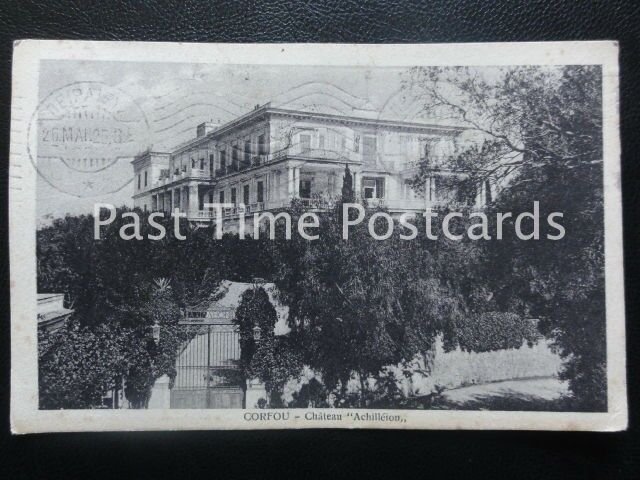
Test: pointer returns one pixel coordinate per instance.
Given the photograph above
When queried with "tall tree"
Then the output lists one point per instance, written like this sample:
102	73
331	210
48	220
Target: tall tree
112	285
272	359
542	141
348	194
360	305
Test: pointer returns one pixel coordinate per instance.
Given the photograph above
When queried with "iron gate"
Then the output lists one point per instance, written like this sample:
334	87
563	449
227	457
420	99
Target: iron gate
207	373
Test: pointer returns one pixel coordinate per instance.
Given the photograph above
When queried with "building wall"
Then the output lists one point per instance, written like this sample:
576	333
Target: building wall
150	164
325	142
457	368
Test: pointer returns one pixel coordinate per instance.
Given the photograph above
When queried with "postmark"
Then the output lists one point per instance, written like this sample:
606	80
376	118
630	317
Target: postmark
82	137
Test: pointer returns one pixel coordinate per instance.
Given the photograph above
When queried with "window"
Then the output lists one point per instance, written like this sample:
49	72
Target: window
245	195
193	163
202	164
260	192
369	187
211	164
465	192
379	187
305	188
139	180
234	154
321	142
261	145
305	143
233	196
223	159
221	196
369	149
145	178
373	187
247	151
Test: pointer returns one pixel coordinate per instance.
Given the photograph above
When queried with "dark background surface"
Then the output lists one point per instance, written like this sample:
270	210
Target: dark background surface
325	454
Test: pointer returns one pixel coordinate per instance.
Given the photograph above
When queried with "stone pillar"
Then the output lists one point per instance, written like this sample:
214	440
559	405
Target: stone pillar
160	394
255	391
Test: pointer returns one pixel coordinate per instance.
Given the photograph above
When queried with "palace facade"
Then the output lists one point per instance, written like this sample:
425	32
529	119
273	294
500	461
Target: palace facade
264	159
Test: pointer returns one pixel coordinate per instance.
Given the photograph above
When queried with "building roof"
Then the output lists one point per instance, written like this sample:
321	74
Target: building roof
44	296
355	118
51	309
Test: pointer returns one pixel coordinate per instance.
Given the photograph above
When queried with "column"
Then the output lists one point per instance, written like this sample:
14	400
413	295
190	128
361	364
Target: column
296	182
194	204
427	192
357	190
480	195
290	183
184	199
267	189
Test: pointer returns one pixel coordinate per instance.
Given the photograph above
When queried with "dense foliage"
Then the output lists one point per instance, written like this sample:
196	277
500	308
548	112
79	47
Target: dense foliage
360	305
118	290
272	359
542	130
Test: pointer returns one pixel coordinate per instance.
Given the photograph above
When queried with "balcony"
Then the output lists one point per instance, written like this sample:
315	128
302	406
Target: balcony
160	182
320	202
261	159
201	214
433	161
197	173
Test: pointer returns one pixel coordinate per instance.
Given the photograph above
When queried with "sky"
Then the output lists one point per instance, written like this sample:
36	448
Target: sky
174	98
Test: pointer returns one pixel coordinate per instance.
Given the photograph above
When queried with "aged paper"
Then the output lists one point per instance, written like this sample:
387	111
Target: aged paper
236	236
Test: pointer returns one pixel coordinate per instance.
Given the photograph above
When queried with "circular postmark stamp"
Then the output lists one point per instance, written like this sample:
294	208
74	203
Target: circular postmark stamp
82	137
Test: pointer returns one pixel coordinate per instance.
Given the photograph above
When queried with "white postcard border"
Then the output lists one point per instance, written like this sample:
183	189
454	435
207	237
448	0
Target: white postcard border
25	415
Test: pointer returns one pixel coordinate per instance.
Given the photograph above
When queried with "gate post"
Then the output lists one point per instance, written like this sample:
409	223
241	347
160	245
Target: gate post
255	391
160	394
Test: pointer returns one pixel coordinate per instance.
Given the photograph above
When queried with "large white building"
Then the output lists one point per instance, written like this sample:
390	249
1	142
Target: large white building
264	159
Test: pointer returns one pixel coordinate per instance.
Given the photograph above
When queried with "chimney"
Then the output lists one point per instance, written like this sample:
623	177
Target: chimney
205	128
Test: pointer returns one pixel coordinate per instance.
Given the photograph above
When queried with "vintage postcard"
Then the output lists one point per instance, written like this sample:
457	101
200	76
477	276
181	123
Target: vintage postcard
236	236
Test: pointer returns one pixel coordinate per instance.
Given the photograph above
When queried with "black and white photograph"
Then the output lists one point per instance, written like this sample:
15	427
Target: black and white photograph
343	236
